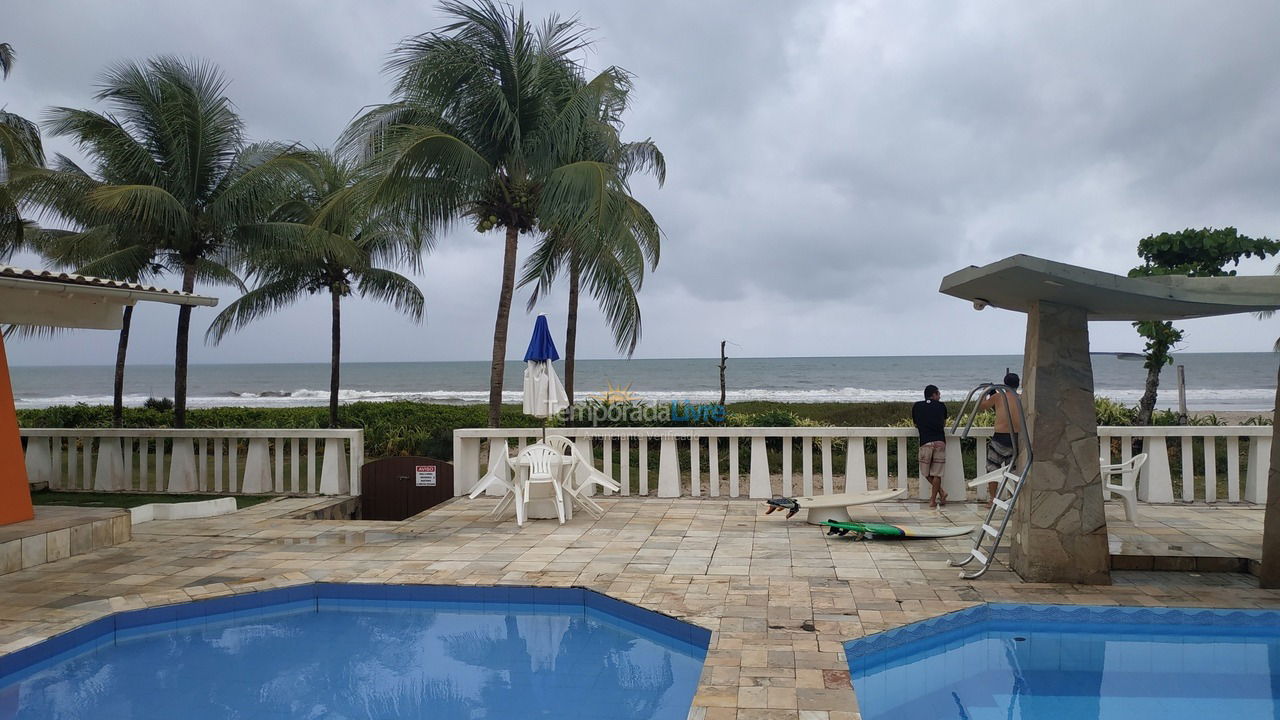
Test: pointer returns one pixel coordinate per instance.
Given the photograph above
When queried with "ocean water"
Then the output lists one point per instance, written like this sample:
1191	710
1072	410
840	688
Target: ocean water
1225	381
358	661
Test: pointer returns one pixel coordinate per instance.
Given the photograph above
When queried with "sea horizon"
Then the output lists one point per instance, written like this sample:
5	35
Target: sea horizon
1215	381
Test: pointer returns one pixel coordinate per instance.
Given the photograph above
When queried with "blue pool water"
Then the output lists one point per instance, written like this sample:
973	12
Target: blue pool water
1035	662
346	658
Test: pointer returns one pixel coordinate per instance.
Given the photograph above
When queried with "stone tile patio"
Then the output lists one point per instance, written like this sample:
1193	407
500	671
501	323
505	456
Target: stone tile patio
780	596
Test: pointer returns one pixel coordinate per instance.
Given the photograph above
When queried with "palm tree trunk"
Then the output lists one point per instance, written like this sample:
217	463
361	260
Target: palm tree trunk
500	327
571	330
335	361
122	348
1147	405
180	352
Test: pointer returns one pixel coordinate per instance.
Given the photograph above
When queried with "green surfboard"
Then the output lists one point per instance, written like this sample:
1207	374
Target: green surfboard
887	530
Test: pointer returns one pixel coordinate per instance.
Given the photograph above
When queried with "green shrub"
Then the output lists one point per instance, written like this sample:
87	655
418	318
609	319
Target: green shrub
775	418
158	404
1111	412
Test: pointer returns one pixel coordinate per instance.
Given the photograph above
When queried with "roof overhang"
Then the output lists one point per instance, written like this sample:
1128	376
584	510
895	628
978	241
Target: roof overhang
1016	282
32	297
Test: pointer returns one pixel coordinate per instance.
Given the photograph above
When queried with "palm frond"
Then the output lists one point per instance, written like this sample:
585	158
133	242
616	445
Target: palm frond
393	288
19	142
118	155
253	305
211	271
7	56
144	205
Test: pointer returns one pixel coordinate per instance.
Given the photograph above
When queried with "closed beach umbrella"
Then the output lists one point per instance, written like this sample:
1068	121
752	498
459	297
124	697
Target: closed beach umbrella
544	395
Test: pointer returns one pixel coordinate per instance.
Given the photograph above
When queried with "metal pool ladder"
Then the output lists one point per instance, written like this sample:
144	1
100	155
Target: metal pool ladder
987	541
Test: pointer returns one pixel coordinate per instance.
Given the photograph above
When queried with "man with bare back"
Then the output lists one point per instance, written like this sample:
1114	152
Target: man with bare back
1000	450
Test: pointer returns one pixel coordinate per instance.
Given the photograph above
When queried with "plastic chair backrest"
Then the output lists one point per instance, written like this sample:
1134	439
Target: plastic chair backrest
1128	470
1136	463
560	444
539	458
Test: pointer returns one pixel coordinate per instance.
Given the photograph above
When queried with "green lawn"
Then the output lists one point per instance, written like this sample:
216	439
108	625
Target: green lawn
130	500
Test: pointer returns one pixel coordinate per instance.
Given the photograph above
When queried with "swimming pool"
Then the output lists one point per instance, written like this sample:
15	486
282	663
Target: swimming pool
1072	662
366	651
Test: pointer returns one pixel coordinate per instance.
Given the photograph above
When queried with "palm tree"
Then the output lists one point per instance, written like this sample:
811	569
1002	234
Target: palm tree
486	120
100	245
299	250
182	173
611	258
19	146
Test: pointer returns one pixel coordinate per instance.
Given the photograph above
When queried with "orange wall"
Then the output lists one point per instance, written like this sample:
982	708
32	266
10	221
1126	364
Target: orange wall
15	494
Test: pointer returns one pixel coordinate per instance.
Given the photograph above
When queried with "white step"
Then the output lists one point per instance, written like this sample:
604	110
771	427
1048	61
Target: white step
979	555
1002	504
990	530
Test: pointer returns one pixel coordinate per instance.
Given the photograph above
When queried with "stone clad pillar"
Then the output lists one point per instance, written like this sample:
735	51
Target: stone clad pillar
1270	574
1059	528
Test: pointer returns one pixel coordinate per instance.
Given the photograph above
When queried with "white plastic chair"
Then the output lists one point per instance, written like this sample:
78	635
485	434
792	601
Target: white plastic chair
574	489
514	491
994	476
543	464
1127	487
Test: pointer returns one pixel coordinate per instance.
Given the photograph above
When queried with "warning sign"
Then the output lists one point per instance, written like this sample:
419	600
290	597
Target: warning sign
425	475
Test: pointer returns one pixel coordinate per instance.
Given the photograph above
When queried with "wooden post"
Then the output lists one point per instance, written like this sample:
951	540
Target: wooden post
1182	395
722	364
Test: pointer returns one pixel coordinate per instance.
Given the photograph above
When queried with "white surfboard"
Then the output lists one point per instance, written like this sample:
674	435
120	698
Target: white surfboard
820	508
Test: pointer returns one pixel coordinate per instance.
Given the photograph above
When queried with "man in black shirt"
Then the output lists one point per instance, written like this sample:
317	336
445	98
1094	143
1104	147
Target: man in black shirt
930	417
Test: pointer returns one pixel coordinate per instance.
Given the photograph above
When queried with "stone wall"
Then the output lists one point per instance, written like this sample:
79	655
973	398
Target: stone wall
1060	530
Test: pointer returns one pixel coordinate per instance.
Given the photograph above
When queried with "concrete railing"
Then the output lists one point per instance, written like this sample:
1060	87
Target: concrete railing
306	462
802	460
1196	448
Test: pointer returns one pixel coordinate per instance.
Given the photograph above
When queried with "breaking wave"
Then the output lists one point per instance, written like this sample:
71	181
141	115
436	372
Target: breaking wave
1259	399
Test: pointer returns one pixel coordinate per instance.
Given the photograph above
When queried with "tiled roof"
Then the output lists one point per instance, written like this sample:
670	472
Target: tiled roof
9	271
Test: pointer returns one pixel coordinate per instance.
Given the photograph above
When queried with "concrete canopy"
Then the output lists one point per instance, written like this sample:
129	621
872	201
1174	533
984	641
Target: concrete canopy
34	297
1060	530
1016	282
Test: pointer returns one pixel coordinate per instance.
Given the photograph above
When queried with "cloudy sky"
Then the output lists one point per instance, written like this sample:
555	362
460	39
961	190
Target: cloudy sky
828	162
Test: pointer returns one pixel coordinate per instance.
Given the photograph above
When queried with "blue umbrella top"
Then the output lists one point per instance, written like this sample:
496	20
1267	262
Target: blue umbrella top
541	347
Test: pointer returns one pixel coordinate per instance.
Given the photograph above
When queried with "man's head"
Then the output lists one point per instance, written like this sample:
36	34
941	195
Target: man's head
931	392
1012	380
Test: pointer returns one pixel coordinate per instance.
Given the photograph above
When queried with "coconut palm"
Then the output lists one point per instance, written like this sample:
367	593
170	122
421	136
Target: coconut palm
485	124
100	245
299	251
612	258
182	173
19	146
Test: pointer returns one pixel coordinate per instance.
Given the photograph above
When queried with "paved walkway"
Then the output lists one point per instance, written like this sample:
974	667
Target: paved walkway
779	595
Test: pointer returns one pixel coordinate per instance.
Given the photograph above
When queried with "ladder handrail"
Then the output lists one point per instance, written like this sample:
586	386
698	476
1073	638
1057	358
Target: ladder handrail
1006	392
1015	471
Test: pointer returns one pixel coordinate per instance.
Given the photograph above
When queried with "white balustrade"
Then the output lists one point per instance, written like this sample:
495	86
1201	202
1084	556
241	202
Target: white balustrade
196	461
690	461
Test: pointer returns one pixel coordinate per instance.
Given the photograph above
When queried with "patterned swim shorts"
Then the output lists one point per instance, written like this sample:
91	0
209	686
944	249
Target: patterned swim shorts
932	456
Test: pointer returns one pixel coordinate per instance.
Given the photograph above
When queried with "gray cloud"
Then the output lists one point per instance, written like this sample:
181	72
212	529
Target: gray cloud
829	161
